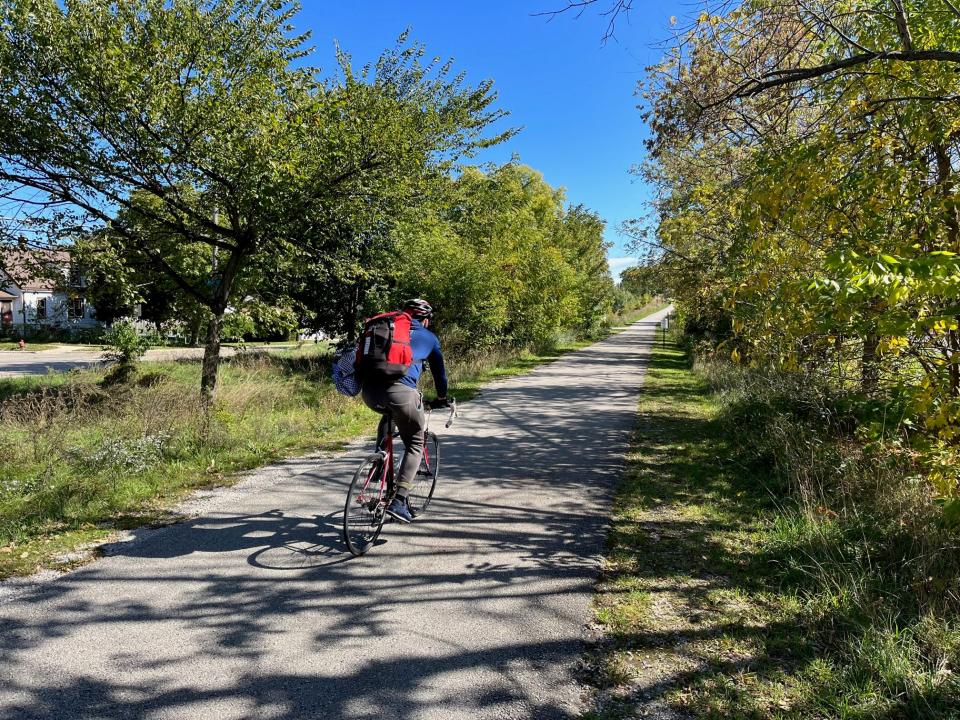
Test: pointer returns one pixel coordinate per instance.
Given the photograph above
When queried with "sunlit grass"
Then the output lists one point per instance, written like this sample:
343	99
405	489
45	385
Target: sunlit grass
80	457
724	596
28	347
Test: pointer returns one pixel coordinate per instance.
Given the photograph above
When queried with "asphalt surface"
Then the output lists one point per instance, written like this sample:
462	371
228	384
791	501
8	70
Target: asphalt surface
14	363
253	609
18	363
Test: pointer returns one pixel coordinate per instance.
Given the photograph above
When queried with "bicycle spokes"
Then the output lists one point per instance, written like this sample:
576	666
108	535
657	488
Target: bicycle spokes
373	486
366	501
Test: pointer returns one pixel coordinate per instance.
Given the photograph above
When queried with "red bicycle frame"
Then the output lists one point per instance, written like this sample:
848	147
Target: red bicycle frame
386	476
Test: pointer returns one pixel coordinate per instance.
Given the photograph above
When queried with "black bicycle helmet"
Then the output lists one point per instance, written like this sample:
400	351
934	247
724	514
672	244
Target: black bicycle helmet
418	308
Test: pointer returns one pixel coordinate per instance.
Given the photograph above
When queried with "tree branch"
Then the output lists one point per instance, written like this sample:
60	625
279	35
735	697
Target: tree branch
900	17
830	24
777	78
953	8
619	7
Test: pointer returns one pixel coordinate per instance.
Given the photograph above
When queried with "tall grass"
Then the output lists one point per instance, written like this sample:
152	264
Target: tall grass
772	556
859	542
79	453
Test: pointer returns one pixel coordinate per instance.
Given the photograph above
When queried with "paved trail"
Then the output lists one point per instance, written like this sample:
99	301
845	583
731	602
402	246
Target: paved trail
254	610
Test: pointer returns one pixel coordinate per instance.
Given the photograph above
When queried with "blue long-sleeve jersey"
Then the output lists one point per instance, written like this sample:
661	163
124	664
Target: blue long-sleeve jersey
426	348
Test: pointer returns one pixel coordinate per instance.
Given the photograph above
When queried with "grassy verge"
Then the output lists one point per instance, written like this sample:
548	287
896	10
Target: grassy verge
81	458
631	316
725	595
29	347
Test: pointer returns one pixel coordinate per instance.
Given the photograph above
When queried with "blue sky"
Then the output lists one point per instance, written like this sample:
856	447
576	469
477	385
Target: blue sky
571	93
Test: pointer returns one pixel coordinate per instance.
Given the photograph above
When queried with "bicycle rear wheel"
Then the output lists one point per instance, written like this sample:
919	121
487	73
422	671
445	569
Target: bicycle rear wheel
363	512
426	479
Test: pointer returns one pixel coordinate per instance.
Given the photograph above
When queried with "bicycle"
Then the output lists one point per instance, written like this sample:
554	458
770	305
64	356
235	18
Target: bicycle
373	486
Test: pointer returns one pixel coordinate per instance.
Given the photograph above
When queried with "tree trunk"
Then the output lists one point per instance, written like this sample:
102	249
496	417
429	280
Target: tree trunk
838	349
951	210
350	316
870	364
223	276
954	340
211	361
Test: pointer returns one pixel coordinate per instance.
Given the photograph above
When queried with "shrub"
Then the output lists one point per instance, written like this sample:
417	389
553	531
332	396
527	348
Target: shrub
125	342
881	532
235	325
53	334
119	455
858	539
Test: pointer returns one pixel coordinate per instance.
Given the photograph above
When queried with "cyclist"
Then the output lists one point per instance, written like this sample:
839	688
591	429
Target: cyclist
405	403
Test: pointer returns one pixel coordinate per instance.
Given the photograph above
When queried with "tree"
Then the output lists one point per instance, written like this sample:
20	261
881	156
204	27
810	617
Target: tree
583	246
643	280
169	111
183	126
806	160
505	261
332	281
427	121
121	279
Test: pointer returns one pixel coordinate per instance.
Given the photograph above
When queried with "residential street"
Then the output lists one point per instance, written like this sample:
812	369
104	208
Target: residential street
16	363
254	609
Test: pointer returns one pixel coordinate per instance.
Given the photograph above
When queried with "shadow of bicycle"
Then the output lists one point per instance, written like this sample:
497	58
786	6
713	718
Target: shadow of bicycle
276	540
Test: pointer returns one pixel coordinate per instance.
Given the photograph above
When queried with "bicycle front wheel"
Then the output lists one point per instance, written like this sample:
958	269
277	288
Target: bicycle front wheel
363	512
426	479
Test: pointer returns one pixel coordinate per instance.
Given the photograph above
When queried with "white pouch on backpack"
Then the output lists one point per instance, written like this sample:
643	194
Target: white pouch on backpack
345	378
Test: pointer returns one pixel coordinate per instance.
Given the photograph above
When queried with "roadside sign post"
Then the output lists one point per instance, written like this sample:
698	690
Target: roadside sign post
664	326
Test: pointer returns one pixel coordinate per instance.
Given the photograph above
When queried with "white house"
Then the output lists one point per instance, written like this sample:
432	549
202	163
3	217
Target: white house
31	297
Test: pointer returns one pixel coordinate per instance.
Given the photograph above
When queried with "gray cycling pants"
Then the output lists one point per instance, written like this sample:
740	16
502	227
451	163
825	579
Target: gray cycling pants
405	405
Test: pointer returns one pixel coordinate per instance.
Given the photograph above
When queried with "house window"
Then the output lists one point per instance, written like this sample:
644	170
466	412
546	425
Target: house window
75	308
74	278
41	308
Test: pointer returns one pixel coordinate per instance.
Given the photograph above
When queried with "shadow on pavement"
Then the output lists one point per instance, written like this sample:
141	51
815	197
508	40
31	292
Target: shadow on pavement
293	625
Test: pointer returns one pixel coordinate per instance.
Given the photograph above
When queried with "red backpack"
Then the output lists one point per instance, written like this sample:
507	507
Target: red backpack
384	350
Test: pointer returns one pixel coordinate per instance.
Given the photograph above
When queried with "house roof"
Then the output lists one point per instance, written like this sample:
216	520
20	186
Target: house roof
6	297
24	267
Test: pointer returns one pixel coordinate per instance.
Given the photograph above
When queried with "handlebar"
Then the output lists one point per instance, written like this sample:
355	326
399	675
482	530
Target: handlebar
451	403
